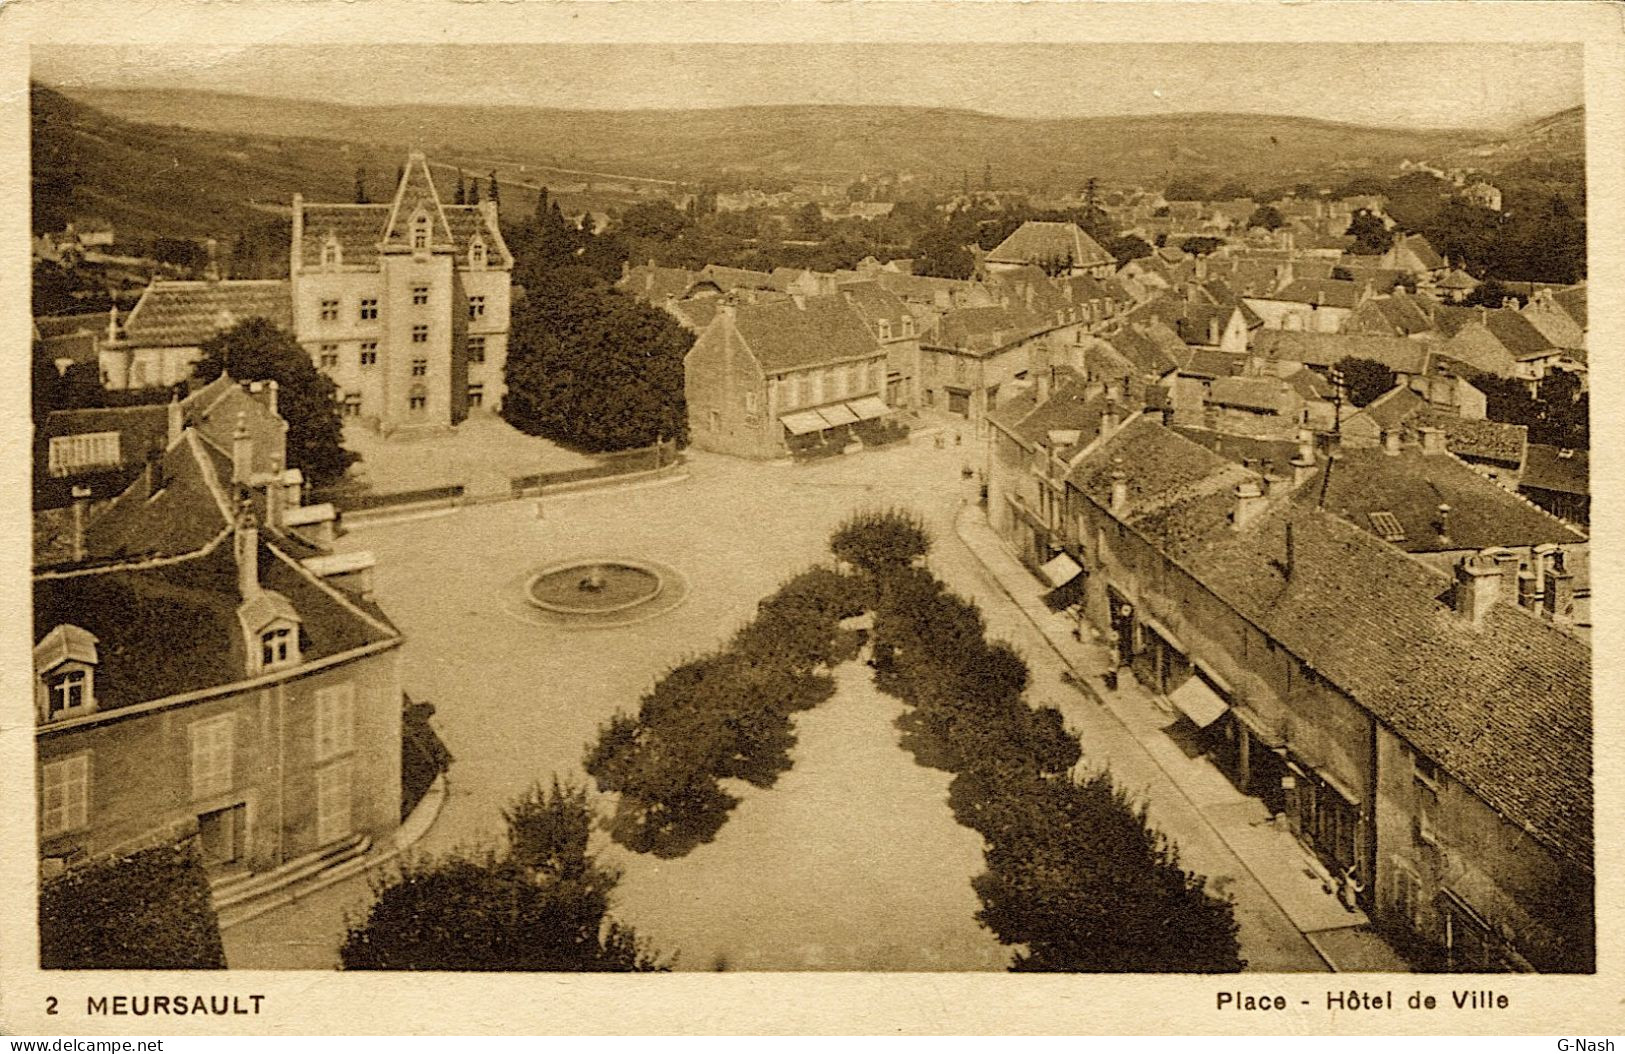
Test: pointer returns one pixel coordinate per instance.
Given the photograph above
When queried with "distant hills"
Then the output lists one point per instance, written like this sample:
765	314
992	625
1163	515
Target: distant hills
189	163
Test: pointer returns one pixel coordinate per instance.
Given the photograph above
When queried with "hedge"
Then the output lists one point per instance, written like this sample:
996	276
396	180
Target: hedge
147	911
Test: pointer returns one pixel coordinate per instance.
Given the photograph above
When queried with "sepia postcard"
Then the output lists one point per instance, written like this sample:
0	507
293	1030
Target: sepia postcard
891	517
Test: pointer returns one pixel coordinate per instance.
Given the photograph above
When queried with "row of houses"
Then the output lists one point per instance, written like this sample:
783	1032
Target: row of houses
1378	643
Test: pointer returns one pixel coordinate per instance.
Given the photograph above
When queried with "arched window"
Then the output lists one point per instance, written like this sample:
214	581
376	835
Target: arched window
332	255
476	253
420	230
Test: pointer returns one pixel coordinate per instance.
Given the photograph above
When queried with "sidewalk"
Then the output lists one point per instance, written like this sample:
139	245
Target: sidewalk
1270	855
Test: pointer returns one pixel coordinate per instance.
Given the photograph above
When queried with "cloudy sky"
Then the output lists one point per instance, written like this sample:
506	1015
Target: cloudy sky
1436	85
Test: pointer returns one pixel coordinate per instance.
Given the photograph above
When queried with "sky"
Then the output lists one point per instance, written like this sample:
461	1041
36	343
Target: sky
1478	85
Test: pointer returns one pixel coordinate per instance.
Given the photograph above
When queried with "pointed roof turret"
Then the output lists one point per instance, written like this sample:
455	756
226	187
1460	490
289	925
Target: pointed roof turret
415	198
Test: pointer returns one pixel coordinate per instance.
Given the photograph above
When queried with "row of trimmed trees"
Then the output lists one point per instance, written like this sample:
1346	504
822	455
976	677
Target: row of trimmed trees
1076	878
723	716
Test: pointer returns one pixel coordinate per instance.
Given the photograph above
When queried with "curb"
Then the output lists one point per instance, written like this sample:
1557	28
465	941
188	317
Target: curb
405	836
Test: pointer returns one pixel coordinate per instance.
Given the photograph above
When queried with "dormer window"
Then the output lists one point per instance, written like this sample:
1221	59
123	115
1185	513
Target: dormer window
420	231
476	253
908	325
332	255
885	329
277	646
65	663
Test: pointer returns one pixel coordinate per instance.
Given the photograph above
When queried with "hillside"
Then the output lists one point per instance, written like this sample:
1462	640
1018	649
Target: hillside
821	141
1557	139
153	181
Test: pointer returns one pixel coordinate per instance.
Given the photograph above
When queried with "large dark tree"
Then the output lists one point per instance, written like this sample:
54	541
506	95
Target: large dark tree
541	906
1371	236
148	911
593	368
1127	248
1365	379
1267	217
256	350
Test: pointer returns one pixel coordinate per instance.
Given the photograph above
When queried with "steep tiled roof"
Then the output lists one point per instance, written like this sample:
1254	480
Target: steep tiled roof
186	314
730	278
874	304
1573	301
1549	468
1178	492
1328	349
1270	456
789	335
1469	437
358	229
1555	325
187	512
1038	242
1210	362
1516	333
1390	410
655	284
1419	247
1412	485
1270	394
415	192
1325	292
980	330
1073	405
1503	706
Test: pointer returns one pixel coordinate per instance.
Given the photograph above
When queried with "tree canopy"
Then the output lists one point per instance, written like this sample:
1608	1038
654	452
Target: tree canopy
1267	217
257	350
1365	379
1371	236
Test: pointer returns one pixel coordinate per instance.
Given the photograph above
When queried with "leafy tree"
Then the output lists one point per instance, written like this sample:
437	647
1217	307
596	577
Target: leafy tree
1365	379
256	350
1267	217
541	906
1186	190
881	542
1371	236
1201	245
1126	248
942	253
1231	191
148	911
461	197
594	368
361	197
1056	266
655	220
1492	292
809	220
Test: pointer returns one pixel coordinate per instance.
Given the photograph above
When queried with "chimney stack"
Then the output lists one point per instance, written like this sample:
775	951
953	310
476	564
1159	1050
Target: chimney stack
1559	596
177	421
242	452
1213	331
81	512
246	547
1119	488
1444	524
1303	466
1110	417
1478	582
1042	383
1249	503
1432	440
1390	442
274	495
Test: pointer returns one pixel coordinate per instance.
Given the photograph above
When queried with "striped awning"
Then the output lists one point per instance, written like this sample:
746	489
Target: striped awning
799	424
836	414
868	408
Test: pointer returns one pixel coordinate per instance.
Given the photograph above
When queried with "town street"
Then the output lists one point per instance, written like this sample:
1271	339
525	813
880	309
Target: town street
518	702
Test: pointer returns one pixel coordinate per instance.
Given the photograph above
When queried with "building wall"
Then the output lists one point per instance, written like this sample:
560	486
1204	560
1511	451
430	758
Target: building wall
140	767
1439	845
1310	318
720	376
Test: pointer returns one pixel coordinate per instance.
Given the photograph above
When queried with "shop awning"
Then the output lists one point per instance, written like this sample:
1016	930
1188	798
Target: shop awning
868	408
1162	631
836	414
1061	570
1198	702
802	422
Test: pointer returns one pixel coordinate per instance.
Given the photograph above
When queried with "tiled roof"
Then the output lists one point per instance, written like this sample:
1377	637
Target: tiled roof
358	229
789	335
1210	362
979	330
1269	456
1390	410
730	278
1328	349
1469	437
874	304
1324	292
1549	468
1573	301
1269	394
171	628
1422	249
1073	405
1516	333
416	191
187	314
1555	325
1504	706
188	511
1178	492
1412	485
1037	241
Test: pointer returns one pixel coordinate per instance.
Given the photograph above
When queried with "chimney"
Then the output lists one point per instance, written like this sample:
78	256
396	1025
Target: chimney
1213	331
626	269
1478	582
177	420
1111	416
1432	440
1043	383
274	495
1119	489
1303	466
1390	442
1559	597
1528	594
1444	524
1509	564
1249	503
81	511
246	547
112	324
242	452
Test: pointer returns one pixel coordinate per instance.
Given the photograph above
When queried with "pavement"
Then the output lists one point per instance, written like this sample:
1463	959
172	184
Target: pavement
1257	855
